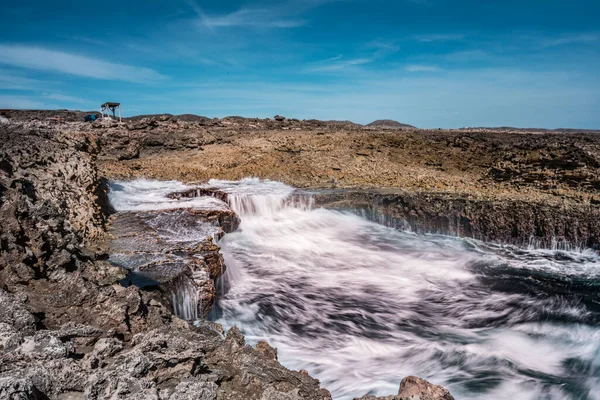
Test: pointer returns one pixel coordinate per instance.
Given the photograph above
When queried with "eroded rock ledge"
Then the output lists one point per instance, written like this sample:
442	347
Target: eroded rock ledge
507	222
182	270
68	330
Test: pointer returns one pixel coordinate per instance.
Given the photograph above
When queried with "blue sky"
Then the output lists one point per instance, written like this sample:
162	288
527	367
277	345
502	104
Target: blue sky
430	63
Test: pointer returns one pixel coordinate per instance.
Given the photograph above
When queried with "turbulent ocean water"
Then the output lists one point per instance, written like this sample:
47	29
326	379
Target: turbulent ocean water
360	305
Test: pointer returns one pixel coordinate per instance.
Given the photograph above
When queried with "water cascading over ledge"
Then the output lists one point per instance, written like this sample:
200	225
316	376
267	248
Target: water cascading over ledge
169	244
359	305
337	294
525	224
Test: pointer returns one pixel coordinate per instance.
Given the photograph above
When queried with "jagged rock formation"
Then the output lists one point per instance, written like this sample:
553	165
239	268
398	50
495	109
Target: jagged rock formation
176	361
68	331
182	270
413	388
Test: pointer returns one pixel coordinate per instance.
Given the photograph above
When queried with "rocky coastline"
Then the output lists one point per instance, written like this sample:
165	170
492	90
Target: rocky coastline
515	222
69	330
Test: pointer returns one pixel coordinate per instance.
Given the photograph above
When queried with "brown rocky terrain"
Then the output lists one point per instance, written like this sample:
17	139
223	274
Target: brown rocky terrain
548	167
68	330
503	184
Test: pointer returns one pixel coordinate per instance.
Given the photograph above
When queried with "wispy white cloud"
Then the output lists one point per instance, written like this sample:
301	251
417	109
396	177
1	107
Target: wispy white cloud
337	64
422	68
377	50
285	14
258	17
383	48
339	56
64	98
570	39
12	81
57	61
84	39
42	101
20	102
440	37
254	17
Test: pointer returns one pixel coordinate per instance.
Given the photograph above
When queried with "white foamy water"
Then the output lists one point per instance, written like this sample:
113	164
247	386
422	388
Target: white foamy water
155	235
151	195
360	305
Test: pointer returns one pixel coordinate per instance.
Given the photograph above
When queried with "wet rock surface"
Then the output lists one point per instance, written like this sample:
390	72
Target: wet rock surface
173	252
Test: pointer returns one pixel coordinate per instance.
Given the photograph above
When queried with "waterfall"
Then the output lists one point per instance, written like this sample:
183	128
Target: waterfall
268	205
185	299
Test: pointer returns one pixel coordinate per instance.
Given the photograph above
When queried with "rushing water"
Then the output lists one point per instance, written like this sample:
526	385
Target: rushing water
360	305
154	237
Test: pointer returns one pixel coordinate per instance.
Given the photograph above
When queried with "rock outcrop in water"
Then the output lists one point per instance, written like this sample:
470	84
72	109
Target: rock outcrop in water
414	388
182	269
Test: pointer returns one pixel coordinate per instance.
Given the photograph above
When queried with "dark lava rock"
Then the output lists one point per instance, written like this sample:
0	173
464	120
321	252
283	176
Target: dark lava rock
511	222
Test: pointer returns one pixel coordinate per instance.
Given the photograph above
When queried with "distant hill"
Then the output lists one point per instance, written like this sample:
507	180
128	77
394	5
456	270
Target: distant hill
344	122
388	123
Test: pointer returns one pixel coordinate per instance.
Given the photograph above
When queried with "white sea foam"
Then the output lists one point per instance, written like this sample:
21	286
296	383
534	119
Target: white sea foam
360	305
150	195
